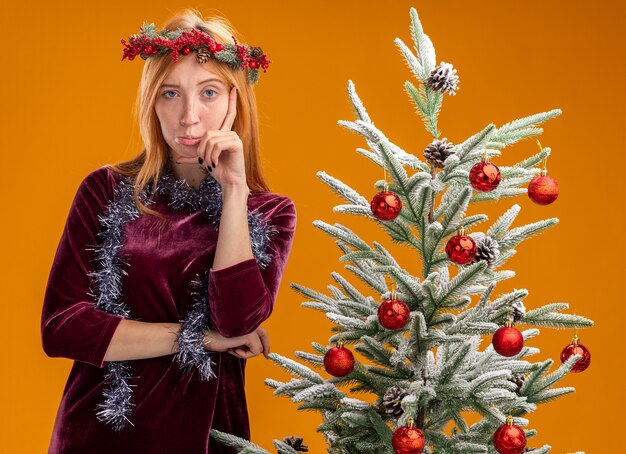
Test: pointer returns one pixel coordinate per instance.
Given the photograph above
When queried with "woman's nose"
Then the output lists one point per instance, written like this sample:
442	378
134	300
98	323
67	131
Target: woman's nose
190	114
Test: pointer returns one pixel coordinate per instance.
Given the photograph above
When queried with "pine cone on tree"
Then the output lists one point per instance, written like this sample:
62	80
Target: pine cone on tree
438	151
203	54
392	401
443	79
487	250
296	443
519	311
518	379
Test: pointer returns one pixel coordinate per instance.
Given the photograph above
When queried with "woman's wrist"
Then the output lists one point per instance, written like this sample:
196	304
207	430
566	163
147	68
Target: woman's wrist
235	191
175	328
209	340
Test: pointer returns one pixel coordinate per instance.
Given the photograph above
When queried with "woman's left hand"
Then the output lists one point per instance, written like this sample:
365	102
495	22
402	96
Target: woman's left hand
243	352
221	151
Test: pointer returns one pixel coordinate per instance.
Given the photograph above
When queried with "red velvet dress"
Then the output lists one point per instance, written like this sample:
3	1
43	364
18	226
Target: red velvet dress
174	410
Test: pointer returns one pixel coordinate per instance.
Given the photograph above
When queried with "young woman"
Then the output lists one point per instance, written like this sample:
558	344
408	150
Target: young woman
170	261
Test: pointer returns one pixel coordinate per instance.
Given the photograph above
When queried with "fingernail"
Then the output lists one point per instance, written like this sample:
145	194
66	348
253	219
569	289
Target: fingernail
200	160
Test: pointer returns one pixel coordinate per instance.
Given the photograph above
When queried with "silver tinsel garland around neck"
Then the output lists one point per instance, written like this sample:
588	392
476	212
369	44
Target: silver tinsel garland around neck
116	407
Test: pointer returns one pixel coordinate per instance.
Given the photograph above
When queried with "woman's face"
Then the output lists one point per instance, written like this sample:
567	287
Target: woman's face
191	101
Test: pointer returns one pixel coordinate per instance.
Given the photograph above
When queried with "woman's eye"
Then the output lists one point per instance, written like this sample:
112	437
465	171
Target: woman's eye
165	93
212	91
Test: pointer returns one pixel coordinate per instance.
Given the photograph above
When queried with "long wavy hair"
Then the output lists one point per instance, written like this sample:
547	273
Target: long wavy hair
148	165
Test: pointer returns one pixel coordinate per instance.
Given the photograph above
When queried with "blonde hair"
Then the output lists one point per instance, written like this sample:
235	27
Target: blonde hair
149	163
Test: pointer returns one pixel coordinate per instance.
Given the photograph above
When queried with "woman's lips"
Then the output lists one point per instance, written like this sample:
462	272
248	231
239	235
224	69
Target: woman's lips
187	141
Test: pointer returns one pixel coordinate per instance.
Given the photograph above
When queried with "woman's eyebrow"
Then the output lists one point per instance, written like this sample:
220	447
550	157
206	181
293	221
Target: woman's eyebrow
199	83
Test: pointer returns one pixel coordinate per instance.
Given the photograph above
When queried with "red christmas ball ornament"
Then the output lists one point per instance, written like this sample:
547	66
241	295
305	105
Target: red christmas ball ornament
461	249
339	361
219	46
186	50
577	349
509	438
408	439
393	313
386	205
543	190
253	64
507	341
485	176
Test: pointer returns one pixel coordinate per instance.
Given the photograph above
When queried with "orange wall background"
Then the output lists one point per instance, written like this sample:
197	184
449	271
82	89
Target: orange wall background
67	102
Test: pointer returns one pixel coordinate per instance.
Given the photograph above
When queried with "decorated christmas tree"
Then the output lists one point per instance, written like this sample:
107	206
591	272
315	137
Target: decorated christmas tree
418	333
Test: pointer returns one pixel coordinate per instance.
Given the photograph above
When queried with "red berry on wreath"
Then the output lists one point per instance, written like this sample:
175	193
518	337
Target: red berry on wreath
461	249
339	361
485	176
509	438
147	50
408	439
219	46
393	313
386	205
186	50
577	349
253	64
507	341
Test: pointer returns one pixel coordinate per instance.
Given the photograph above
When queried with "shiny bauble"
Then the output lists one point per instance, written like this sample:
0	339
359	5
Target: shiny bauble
338	361
509	439
543	190
461	249
485	176
577	349
393	314
507	341
408	440
386	206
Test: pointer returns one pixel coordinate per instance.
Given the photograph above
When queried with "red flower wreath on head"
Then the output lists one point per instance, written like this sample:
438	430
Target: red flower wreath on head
151	42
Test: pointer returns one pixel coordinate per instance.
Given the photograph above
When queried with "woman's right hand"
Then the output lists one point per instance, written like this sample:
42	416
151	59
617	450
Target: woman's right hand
245	346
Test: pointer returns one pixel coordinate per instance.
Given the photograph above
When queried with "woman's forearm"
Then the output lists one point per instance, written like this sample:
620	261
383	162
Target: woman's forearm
233	243
140	340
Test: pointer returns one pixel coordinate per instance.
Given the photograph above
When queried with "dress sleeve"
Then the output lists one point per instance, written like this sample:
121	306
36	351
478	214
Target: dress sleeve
71	325
242	296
